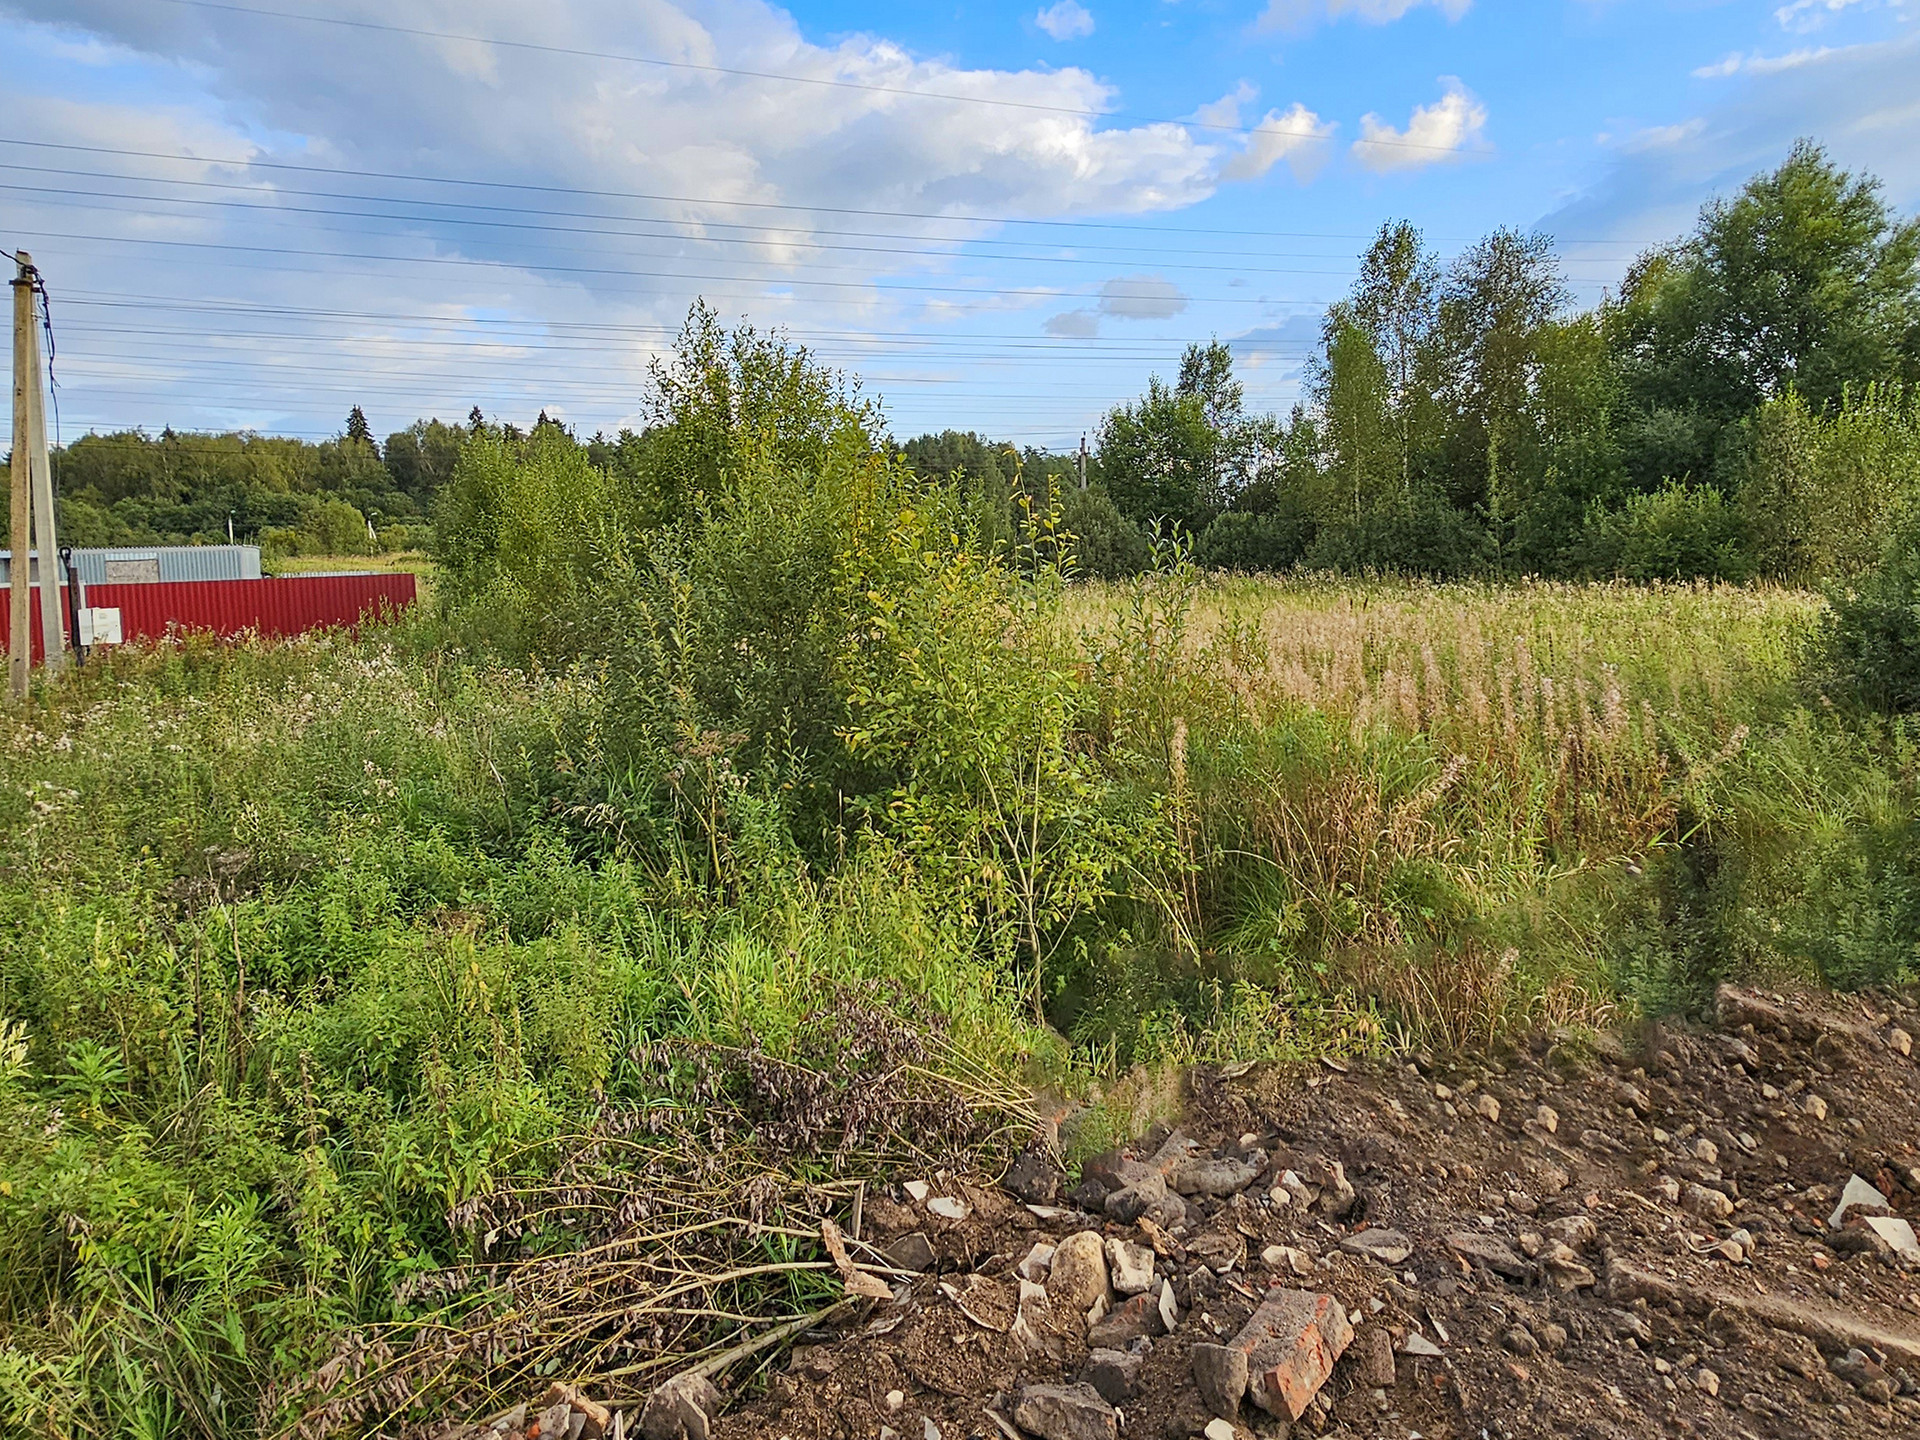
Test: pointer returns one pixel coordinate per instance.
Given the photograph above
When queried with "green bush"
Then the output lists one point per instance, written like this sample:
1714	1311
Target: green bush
1251	544
1674	533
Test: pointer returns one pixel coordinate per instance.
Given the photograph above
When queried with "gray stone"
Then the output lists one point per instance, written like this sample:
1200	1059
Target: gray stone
1220	1373
1114	1373
1490	1251
1389	1247
1151	1200
1371	1355
1066	1412
1228	1176
911	1252
681	1409
1337	1195
1034	1176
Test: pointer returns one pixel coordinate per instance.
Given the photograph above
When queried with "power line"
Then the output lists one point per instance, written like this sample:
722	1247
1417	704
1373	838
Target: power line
545	189
92	200
703	222
543	268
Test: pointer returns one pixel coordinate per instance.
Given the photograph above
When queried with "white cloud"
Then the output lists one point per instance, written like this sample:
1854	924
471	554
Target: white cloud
1436	133
1141	297
1739	64
1297	136
1859	101
1074	324
1295	16
1065	20
1804	15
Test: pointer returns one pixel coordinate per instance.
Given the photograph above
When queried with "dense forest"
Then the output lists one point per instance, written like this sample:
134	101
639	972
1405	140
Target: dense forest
1743	407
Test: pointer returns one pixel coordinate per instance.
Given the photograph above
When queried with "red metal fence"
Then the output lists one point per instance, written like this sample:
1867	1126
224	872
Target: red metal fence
290	605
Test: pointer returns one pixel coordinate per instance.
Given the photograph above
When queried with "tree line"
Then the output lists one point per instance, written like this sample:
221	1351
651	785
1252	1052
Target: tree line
1743	407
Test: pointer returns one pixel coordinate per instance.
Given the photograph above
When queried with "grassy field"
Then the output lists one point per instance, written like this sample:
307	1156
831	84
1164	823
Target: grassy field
338	978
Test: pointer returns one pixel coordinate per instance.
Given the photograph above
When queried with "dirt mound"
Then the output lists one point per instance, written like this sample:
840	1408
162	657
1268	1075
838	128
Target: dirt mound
1700	1236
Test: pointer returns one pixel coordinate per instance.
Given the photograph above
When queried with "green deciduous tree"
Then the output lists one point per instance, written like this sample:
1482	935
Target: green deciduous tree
1805	279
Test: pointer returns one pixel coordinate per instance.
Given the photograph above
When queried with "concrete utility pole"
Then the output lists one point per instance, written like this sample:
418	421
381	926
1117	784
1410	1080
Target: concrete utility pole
20	483
52	631
31	480
1081	465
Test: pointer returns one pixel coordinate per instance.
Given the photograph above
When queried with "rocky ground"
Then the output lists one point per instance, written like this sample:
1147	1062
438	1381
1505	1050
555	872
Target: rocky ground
1697	1234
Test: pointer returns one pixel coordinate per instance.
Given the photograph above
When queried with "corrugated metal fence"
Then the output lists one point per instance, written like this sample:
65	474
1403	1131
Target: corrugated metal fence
290	605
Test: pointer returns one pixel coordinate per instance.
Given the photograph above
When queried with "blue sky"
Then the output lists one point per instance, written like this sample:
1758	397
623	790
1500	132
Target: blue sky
1004	216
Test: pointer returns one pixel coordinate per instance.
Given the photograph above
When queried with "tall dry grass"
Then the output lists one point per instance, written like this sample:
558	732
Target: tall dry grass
1423	798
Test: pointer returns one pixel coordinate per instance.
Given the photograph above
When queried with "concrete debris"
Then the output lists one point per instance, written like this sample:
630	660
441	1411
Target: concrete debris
1389	1247
1066	1412
1857	1193
1114	1373
1129	1266
947	1208
1898	1234
1224	1176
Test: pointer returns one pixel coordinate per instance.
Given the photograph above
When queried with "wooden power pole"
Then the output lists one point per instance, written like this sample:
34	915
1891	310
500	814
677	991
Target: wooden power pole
31	479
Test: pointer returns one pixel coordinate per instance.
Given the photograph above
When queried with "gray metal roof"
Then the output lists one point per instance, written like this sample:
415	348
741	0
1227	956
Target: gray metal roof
148	564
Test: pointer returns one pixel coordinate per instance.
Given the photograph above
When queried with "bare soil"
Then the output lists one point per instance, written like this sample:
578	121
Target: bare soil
1689	1176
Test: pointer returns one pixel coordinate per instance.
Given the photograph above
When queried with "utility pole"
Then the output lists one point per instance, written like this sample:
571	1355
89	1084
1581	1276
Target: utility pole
20	483
31	481
1082	465
52	632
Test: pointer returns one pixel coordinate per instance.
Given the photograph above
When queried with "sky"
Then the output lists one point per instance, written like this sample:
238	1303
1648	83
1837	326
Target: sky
1002	217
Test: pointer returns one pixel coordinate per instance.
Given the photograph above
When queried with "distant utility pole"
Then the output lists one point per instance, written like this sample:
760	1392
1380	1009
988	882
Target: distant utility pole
1081	464
31	481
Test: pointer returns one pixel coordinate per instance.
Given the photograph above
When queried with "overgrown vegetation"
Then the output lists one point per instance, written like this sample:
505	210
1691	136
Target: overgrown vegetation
387	1022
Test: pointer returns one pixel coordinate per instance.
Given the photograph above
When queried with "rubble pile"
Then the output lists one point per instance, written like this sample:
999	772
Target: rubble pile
1704	1232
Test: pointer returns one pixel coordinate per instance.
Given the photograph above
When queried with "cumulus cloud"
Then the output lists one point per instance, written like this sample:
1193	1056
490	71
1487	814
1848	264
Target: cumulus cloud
1065	20
1297	136
1436	133
1297	16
